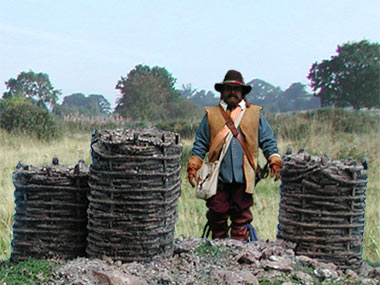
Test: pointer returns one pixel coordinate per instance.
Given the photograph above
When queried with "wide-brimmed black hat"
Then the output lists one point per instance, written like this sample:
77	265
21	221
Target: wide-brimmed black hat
234	78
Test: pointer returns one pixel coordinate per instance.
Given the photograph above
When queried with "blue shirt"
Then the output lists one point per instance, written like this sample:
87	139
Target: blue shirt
231	168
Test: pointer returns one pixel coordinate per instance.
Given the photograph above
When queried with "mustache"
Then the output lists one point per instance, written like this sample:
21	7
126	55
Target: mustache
232	96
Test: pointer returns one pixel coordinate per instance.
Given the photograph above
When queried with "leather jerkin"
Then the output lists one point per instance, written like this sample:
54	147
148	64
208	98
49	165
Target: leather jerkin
230	124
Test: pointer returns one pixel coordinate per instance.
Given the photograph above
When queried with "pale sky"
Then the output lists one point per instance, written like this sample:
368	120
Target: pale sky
86	46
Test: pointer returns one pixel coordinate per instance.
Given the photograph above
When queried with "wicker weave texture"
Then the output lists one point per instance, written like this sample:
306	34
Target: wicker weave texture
134	187
322	208
51	211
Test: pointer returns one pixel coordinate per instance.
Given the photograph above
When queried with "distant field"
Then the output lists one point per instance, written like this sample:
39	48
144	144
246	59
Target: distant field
339	135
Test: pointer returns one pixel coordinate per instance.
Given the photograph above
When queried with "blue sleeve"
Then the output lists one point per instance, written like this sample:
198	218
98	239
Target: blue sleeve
267	141
202	139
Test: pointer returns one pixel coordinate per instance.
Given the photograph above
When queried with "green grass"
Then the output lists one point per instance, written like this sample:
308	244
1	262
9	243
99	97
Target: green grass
320	136
69	150
31	271
207	250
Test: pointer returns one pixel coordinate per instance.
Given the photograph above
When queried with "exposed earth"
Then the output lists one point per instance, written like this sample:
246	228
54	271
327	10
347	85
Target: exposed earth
202	261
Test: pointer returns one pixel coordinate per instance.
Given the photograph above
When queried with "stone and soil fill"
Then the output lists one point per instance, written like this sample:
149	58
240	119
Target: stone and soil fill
202	261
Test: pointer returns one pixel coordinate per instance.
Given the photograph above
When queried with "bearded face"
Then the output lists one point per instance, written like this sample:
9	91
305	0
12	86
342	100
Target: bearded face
232	95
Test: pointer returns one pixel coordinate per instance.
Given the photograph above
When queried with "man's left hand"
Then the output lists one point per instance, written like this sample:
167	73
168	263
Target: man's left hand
275	164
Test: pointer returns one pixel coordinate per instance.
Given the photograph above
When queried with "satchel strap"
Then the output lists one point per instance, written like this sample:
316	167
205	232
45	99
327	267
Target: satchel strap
221	135
238	136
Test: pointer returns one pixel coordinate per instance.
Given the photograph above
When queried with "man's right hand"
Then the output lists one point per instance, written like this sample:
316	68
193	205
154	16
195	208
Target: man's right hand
191	175
194	164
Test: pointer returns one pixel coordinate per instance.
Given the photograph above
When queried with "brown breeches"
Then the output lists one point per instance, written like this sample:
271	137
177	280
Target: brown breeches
230	201
230	197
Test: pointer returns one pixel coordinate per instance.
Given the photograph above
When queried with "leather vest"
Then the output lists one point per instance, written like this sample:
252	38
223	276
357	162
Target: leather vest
249	127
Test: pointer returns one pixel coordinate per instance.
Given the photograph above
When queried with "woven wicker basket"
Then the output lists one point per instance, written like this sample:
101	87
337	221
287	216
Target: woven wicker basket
322	208
134	187
51	204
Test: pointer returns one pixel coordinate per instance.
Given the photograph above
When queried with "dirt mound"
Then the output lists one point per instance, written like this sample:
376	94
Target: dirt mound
201	261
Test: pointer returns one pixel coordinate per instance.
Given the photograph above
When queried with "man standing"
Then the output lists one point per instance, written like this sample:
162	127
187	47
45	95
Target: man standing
237	170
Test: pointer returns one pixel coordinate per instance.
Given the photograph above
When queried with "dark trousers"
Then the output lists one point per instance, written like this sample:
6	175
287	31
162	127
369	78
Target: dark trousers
230	197
230	201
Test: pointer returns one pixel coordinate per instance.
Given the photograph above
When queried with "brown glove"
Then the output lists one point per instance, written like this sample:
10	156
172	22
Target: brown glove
275	164
194	164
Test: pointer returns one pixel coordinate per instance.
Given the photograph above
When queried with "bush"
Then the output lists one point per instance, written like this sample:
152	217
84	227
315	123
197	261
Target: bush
185	128
19	115
346	120
299	125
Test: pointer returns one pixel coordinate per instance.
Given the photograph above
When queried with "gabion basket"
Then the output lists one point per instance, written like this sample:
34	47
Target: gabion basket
51	211
134	187
322	208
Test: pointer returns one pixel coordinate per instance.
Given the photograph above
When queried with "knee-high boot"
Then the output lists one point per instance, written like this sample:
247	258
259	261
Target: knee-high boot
239	220
218	224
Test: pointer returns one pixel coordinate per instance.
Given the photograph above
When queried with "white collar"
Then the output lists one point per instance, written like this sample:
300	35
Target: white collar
224	105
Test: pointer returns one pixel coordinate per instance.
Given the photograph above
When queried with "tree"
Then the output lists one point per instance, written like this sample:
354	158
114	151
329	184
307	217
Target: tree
35	86
205	99
147	93
262	90
75	99
93	105
187	91
101	103
349	78
296	98
201	97
264	94
19	115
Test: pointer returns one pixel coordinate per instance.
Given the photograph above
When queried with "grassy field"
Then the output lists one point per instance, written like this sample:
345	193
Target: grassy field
322	134
69	150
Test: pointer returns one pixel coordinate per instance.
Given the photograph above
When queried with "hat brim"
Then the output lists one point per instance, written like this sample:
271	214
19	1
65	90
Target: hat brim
245	88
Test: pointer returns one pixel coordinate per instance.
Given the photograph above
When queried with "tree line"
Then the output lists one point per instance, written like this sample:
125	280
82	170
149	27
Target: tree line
348	79
272	99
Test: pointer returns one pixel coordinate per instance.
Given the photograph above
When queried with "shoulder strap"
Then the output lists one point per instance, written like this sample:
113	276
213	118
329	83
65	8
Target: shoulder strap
229	137
238	136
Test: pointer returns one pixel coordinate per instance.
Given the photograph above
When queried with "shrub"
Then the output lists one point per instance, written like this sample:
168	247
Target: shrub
185	128
346	120
299	125
19	115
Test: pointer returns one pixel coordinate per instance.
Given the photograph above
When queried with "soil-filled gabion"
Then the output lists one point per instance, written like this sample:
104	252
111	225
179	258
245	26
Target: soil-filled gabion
51	211
322	208
134	187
